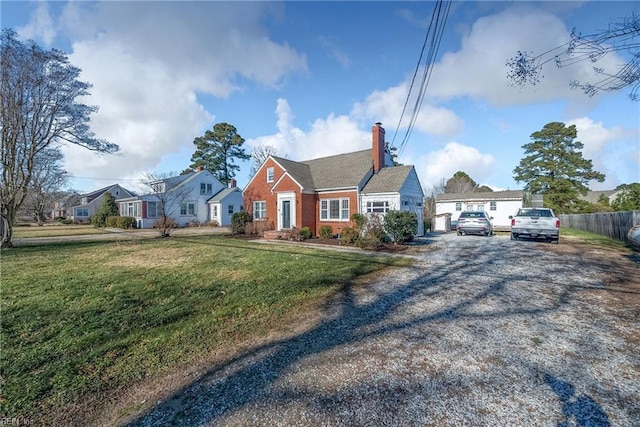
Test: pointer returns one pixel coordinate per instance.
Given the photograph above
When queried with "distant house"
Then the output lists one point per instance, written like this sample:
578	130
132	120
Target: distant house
225	203
91	202
63	207
194	197
594	196
327	191
499	205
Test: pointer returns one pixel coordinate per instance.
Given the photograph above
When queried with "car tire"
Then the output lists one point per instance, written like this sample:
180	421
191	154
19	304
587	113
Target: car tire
459	233
556	241
513	237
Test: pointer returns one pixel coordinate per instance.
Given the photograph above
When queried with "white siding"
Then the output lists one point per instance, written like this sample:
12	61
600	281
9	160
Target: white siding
501	220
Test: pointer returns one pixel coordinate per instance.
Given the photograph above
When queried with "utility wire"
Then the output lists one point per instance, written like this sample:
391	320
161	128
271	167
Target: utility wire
438	23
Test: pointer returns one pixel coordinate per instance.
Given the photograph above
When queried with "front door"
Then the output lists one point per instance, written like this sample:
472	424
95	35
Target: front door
286	214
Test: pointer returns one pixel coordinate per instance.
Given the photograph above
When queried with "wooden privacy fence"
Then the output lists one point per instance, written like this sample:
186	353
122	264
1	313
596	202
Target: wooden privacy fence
614	225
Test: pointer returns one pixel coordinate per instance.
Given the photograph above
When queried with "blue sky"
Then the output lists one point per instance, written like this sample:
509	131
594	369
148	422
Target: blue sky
310	79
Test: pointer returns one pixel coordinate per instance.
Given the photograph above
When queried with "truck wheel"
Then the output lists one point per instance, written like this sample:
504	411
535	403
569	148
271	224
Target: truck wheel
513	237
556	241
459	233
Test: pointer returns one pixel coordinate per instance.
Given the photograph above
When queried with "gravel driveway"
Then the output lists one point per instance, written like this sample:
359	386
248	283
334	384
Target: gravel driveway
480	332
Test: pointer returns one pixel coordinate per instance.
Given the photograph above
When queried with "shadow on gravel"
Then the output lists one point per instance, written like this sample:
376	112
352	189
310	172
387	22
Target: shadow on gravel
248	379
581	411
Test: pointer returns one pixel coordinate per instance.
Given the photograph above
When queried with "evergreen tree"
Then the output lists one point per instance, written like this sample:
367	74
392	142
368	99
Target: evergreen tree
628	199
460	182
217	150
554	167
107	209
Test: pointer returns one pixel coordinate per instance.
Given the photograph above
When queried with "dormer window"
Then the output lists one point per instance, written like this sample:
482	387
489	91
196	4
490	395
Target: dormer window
270	174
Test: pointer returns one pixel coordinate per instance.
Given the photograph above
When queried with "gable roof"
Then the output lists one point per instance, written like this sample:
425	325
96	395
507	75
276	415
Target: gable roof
338	171
220	195
489	195
388	180
594	196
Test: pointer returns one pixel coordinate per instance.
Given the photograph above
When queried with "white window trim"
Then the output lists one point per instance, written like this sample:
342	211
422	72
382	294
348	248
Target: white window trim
271	174
371	208
341	208
186	206
262	203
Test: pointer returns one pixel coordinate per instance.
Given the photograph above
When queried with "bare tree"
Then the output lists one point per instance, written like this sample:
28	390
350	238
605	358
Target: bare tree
38	91
166	191
621	36
259	155
430	203
47	179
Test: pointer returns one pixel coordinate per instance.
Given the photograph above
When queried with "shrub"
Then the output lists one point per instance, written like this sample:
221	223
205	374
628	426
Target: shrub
374	228
325	232
306	233
212	223
126	222
359	220
259	227
293	234
401	225
348	236
112	221
165	225
239	221
59	218
194	223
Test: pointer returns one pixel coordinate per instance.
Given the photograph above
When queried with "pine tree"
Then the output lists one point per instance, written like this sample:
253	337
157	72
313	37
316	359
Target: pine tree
553	166
217	150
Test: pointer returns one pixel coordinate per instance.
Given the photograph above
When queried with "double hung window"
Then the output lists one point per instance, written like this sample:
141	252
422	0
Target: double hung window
334	209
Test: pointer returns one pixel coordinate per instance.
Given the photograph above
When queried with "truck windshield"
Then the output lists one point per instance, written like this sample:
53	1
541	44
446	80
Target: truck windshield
535	212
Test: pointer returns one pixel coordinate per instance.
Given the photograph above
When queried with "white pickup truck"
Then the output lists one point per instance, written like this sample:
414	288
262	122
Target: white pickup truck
535	223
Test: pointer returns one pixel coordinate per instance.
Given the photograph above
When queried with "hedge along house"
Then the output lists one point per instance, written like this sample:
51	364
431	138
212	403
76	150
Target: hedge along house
91	202
187	199
328	190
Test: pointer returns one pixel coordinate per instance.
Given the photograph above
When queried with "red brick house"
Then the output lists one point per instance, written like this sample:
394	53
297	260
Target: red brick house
328	190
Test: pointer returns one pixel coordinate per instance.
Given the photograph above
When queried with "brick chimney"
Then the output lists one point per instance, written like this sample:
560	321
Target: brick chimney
377	132
233	183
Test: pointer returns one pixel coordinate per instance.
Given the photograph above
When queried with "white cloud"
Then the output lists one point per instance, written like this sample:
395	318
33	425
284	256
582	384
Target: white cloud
41	25
326	137
453	157
609	150
148	68
478	69
386	106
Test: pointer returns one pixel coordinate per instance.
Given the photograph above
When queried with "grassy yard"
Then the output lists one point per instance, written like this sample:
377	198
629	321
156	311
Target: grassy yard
591	238
54	230
83	320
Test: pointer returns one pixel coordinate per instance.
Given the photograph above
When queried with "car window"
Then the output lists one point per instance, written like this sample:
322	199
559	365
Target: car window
535	213
472	215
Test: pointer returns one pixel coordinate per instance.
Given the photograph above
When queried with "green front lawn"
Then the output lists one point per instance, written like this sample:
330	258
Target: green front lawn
54	230
81	320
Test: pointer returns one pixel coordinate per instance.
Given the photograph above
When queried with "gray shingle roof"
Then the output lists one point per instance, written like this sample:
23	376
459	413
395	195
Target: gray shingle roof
593	196
220	195
339	171
490	195
390	179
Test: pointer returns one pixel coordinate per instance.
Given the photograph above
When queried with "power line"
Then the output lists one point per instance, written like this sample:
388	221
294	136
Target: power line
438	23
102	179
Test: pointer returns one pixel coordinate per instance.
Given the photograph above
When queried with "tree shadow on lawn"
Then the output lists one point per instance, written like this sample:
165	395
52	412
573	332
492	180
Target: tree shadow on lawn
249	378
